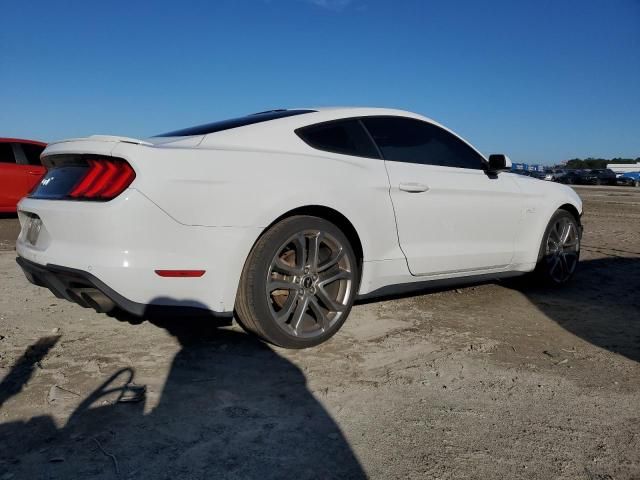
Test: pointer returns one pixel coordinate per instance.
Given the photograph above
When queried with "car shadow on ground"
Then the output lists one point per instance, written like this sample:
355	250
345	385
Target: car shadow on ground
601	304
231	407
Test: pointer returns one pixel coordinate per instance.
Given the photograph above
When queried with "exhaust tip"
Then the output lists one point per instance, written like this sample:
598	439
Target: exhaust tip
95	299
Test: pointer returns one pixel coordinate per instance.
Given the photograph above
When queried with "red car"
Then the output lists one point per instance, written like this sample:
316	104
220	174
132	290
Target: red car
20	170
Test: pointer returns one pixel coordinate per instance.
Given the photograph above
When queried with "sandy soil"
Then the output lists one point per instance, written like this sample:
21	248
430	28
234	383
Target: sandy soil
490	381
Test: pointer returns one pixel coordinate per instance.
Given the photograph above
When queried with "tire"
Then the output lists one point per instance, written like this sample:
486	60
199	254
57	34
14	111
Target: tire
290	297
560	249
598	181
636	183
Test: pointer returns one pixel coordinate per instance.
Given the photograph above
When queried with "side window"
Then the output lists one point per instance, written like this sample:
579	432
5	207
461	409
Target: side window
342	136
414	141
6	153
32	152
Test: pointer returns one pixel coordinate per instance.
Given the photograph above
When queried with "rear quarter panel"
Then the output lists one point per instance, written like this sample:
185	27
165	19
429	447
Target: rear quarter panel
240	188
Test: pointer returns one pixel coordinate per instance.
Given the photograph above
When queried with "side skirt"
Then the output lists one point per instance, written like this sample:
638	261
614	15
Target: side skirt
431	285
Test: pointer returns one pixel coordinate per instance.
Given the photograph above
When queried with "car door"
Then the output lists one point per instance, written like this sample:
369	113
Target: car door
12	179
451	215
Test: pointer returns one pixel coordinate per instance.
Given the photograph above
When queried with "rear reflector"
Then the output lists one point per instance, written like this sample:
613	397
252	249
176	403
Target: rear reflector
105	179
180	273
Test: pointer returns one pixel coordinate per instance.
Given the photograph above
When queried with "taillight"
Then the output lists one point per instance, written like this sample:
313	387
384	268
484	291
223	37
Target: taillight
105	179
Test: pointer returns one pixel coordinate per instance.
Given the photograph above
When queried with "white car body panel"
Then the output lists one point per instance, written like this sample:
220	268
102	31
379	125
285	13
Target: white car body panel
201	202
455	218
124	241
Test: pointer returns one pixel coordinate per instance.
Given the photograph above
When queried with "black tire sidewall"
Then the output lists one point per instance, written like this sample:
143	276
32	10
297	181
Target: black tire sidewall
542	270
269	248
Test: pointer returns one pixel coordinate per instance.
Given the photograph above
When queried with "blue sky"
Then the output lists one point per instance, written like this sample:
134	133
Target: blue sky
540	80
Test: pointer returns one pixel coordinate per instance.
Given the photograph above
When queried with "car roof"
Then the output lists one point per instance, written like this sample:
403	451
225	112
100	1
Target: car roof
21	140
291	118
346	112
276	134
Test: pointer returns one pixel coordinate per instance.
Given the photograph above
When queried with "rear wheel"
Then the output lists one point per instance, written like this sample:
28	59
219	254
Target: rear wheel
560	249
298	283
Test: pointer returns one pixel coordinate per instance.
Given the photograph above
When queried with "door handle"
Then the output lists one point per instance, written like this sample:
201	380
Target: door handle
413	187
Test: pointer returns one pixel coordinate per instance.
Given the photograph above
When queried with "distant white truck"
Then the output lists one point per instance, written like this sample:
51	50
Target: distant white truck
619	168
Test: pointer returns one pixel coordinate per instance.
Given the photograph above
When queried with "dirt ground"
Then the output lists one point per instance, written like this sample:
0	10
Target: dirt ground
500	380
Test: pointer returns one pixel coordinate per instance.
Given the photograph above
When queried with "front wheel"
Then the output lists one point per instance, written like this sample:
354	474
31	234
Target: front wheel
560	249
298	283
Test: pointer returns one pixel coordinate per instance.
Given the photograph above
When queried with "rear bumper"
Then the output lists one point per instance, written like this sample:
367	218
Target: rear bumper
117	246
88	291
78	287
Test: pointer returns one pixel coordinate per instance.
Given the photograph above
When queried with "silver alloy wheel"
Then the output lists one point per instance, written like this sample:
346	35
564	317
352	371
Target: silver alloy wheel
309	283
562	249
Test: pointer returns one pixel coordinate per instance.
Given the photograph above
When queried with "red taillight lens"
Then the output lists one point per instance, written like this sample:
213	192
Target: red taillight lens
180	273
105	179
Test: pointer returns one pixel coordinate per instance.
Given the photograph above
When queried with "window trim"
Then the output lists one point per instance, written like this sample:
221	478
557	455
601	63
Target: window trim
300	130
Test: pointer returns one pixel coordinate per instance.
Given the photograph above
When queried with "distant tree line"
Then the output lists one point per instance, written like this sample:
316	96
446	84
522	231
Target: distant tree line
597	162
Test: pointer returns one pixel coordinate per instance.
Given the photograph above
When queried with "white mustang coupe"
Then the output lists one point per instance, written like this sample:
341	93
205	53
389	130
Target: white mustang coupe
285	217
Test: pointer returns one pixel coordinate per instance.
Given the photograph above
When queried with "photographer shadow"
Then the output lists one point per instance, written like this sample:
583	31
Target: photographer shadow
231	407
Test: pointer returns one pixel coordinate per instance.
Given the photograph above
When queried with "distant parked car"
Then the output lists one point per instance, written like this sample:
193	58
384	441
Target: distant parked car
20	170
630	179
572	177
601	176
555	174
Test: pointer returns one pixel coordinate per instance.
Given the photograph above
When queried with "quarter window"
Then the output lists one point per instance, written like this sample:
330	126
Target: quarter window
340	136
414	141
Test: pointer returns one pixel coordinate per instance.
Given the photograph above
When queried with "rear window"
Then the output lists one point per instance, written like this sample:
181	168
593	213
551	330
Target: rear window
234	123
341	136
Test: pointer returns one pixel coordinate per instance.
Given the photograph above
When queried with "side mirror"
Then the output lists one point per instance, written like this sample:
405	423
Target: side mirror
499	163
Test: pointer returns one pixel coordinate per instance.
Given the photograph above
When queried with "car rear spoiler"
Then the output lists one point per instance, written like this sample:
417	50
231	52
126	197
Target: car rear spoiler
105	138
